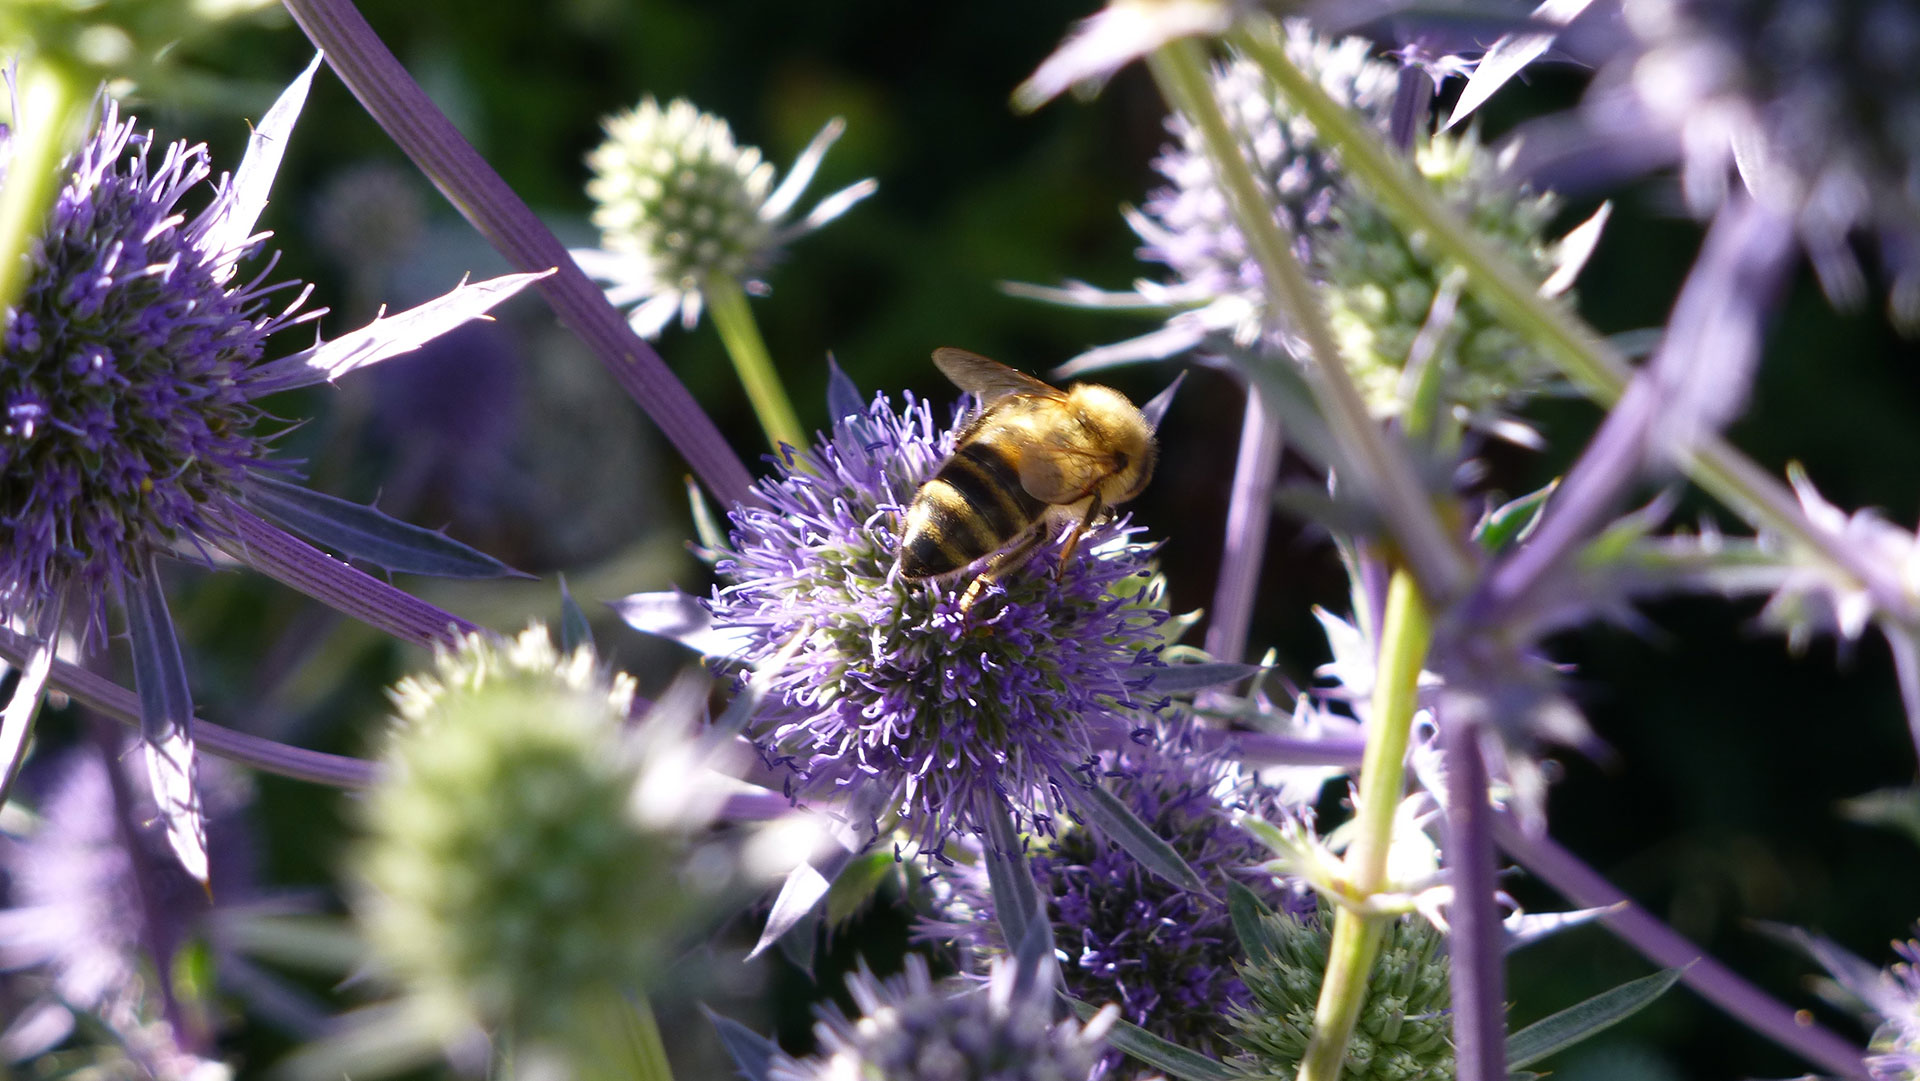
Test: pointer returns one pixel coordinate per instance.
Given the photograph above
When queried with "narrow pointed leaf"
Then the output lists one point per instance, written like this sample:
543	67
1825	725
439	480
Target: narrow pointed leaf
1248	912
1524	930
752	1053
246	196
1110	816
23	705
621	1039
365	533
392	335
843	397
1156	408
574	629
706	528
1181	678
166	718
1513	520
803	889
683	618
1512	53
1169	1058
1016	899
856	885
1576	1023
801	941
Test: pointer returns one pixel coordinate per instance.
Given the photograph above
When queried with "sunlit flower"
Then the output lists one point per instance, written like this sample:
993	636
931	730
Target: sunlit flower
678	202
879	688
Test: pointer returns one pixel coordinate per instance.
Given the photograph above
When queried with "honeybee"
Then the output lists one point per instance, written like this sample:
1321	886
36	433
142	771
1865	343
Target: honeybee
1031	457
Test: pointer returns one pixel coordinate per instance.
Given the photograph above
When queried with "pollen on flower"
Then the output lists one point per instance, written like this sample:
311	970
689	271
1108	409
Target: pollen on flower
891	694
126	415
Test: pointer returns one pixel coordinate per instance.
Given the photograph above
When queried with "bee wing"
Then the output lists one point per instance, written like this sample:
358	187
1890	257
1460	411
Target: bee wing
988	380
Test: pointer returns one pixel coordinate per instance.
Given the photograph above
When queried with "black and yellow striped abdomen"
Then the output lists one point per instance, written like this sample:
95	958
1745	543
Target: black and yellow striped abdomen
972	507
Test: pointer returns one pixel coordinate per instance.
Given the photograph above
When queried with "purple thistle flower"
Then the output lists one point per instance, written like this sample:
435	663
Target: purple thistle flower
889	686
128	418
1894	1051
129	424
913	1031
1163	954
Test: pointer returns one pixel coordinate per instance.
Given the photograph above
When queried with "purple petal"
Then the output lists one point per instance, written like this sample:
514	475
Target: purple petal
166	718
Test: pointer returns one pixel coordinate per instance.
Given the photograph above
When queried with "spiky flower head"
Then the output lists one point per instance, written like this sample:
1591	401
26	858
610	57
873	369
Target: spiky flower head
1164	954
126	419
912	1030
1217	295
678	202
1404	1027
1388	298
519	855
881	684
1814	103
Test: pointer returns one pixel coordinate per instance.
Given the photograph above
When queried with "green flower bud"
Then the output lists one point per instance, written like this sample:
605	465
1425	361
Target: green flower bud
1403	1029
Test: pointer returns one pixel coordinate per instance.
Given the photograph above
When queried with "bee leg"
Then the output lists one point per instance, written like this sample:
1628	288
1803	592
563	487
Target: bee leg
1003	562
1073	535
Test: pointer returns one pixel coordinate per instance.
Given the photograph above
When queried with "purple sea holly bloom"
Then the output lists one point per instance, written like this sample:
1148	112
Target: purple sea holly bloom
1893	995
1162	953
129	423
880	689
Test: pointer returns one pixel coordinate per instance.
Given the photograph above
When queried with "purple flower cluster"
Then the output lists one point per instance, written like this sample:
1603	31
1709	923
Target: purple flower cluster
1164	953
889	686
128	417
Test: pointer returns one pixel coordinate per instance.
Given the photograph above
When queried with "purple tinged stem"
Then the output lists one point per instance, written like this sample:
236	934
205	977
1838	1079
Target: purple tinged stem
116	702
399	105
1662	945
1692	386
1248	511
1479	992
286	558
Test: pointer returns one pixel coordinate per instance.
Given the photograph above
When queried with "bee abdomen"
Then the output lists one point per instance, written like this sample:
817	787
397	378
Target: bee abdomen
974	505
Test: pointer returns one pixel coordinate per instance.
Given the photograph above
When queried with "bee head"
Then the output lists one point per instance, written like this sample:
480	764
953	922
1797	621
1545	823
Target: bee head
1123	434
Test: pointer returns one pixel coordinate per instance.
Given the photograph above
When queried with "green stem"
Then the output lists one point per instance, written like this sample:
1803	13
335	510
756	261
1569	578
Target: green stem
1180	69
52	107
1583	356
741	335
1406	632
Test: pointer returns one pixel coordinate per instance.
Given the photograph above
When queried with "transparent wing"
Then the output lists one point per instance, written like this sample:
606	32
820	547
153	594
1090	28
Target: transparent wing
988	380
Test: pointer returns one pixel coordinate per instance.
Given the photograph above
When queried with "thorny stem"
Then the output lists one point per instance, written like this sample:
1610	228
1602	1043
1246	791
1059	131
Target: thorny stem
1378	467
733	318
437	149
1249	508
52	105
1594	366
1474	941
1405	635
